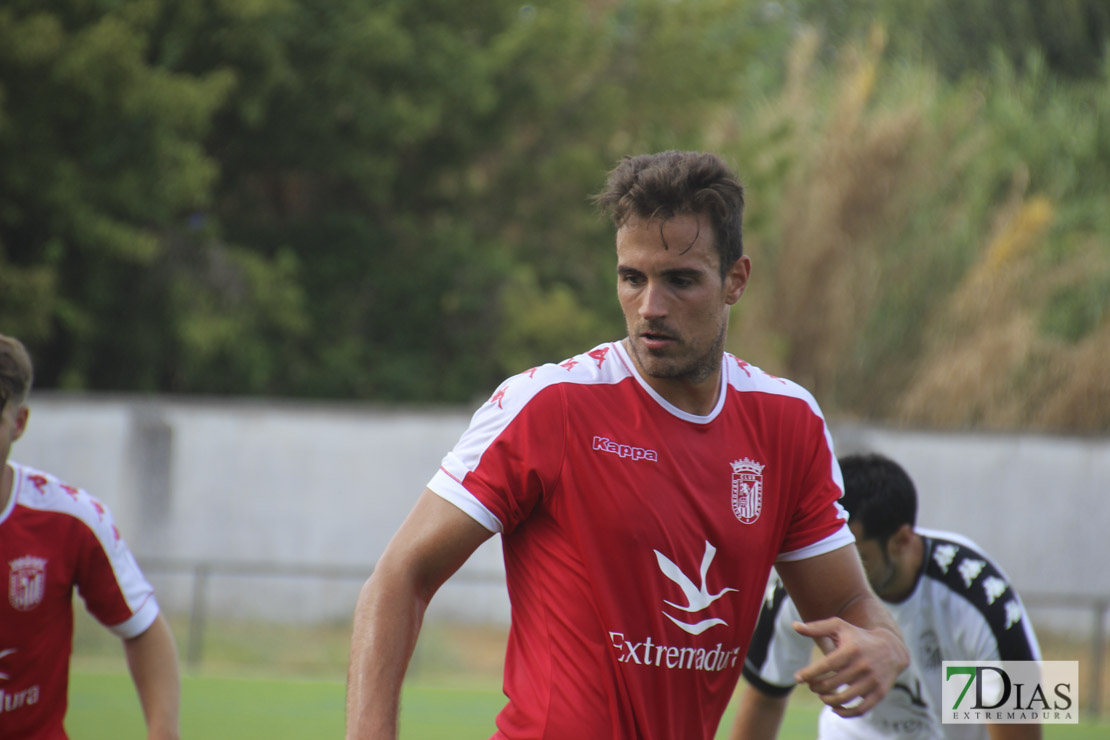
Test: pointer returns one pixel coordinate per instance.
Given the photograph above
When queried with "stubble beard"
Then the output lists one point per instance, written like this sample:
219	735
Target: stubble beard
695	370
882	587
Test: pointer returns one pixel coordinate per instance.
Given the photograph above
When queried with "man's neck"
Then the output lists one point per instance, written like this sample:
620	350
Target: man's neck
697	398
909	570
7	478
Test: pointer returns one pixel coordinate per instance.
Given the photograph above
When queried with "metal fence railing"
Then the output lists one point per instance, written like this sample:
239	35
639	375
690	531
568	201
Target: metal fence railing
202	573
1098	607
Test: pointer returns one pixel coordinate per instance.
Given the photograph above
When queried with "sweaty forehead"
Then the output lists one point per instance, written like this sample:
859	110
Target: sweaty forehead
685	235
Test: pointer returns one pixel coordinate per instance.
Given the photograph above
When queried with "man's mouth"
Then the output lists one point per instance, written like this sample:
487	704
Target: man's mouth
654	340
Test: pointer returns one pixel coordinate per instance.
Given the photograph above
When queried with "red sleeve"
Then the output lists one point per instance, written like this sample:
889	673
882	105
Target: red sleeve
519	467
819	521
96	582
108	578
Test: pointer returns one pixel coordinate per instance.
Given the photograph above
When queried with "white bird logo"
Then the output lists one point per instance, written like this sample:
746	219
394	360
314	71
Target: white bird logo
4	654
697	598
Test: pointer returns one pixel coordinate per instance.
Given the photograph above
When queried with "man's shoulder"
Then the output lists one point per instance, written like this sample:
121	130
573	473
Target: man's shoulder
954	558
956	566
967	585
600	366
746	377
45	493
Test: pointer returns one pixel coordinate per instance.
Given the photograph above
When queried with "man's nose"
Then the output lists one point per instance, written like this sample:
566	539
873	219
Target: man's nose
653	304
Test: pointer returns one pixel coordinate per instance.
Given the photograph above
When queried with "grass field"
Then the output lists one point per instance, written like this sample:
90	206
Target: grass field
272	682
103	707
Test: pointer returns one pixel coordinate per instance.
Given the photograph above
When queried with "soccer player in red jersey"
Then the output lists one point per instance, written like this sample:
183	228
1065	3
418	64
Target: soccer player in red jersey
643	490
53	538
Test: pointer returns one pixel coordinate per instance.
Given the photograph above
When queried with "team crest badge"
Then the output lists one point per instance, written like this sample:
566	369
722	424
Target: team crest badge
26	582
747	489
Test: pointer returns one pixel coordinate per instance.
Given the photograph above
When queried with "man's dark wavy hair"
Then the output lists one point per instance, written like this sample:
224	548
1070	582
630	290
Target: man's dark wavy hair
668	184
878	495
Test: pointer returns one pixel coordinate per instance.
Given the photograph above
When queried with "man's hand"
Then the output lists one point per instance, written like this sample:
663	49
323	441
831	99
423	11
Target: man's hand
859	665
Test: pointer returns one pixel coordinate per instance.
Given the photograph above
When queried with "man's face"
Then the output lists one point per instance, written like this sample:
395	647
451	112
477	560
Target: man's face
13	420
877	563
674	301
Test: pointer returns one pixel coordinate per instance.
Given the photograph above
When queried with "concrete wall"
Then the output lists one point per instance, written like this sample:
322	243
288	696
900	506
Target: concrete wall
296	484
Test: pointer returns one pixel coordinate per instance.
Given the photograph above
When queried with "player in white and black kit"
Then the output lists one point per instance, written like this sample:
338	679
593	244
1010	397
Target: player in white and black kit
950	599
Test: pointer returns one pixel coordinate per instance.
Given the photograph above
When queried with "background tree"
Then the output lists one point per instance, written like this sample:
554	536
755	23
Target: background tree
389	201
345	198
963	36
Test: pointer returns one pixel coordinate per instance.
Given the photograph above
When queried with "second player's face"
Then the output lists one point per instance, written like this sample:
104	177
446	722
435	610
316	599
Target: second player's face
674	300
876	561
13	420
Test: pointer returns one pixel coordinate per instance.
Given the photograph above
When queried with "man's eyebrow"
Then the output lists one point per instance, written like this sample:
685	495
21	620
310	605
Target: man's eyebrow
687	272
681	272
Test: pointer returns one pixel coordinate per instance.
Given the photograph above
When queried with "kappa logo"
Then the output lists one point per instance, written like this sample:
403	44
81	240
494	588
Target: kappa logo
604	444
26	582
747	489
698	597
943	556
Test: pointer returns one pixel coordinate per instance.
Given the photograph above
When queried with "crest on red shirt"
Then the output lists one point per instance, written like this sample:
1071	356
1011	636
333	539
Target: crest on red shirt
747	489
26	582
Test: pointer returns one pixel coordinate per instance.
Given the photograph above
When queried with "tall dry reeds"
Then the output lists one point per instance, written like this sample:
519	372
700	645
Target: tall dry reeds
916	267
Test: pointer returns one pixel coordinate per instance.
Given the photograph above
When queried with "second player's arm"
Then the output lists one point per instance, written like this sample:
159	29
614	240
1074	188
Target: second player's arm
759	715
431	544
864	651
1015	732
152	662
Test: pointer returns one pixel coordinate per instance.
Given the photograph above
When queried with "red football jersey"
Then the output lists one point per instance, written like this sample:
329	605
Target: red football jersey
638	538
54	537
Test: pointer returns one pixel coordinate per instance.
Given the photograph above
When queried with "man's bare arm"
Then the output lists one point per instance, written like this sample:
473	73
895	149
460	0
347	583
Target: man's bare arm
431	544
759	715
864	651
152	661
1015	732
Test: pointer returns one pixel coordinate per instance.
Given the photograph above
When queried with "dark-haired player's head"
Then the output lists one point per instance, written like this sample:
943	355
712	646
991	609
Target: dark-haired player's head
668	184
878	495
881	502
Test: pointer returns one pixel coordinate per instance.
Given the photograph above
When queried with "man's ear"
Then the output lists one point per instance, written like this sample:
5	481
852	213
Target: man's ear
736	280
900	540
21	415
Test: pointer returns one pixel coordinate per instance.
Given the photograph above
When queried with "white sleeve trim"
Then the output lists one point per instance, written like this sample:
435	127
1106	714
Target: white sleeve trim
834	541
447	487
139	622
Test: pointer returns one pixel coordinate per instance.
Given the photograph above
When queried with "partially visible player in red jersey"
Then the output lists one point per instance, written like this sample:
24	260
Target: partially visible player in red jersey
53	538
643	490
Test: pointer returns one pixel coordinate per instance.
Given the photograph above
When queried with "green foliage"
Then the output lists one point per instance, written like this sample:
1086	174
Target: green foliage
962	36
1075	311
932	242
282	197
100	157
448	144
390	200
